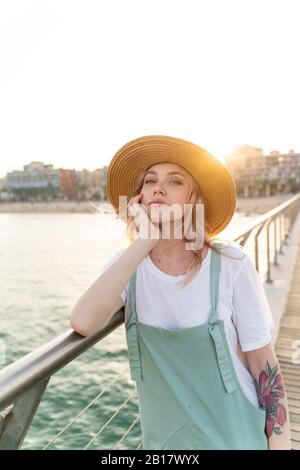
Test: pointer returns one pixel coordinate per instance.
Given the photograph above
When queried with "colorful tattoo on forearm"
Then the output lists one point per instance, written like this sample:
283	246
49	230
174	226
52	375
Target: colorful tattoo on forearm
270	389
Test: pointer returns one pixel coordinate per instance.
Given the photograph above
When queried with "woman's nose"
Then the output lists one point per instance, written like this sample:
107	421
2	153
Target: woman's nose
158	191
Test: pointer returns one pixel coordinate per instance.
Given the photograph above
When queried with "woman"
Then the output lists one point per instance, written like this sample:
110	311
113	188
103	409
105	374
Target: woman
199	349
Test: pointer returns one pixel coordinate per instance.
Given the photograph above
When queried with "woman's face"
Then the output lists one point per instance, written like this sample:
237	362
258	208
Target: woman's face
169	183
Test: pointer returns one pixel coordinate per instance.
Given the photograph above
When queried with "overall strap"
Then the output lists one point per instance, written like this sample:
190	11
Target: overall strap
214	285
215	326
132	334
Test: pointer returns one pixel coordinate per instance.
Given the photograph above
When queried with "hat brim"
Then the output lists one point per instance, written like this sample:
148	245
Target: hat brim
216	183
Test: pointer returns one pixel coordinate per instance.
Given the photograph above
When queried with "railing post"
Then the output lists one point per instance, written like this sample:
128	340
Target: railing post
256	247
275	262
17	419
281	232
286	227
268	252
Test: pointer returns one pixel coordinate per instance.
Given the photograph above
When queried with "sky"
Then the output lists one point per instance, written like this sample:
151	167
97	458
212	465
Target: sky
79	79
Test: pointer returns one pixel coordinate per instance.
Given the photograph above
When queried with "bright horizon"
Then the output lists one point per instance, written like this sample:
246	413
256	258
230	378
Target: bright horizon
80	79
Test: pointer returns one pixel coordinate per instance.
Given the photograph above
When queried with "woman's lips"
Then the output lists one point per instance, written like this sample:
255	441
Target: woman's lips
158	203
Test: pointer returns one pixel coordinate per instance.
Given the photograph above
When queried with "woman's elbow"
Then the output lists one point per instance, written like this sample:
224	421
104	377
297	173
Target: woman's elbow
80	329
85	328
79	323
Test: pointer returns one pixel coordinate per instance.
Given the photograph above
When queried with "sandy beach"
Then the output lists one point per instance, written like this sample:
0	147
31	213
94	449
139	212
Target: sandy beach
246	205
260	205
48	207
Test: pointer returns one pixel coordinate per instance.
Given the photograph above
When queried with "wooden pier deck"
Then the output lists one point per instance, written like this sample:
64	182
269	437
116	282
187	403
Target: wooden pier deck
287	349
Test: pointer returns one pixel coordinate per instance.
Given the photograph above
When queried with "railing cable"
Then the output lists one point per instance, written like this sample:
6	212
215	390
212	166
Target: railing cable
110	419
83	411
140	445
127	432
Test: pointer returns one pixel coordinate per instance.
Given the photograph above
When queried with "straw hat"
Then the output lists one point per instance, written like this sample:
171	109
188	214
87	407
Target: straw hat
216	184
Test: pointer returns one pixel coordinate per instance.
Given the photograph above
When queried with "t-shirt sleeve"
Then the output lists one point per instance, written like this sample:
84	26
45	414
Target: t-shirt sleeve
108	263
251	310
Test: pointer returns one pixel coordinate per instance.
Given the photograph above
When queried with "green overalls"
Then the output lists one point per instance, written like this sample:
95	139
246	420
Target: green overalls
188	392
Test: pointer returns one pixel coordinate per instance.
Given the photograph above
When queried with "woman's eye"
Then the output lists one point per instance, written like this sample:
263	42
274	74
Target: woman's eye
152	181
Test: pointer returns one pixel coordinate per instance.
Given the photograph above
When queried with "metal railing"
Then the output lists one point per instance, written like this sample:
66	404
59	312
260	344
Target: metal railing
275	225
23	383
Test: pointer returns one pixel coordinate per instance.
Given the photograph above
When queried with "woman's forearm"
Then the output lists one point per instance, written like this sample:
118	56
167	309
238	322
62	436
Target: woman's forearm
93	310
270	388
278	429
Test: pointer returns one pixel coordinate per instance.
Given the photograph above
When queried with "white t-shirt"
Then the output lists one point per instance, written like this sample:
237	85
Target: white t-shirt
242	303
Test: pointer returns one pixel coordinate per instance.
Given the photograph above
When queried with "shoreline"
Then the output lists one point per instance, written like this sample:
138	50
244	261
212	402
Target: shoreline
258	205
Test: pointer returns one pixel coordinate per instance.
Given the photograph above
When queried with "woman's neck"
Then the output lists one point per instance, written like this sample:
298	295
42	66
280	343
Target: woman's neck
174	252
173	259
170	249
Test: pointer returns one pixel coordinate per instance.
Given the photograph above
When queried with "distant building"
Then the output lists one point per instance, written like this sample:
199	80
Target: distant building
37	181
90	184
4	195
40	182
257	174
68	183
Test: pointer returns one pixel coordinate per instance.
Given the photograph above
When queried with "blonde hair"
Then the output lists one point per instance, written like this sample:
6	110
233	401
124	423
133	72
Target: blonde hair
194	198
